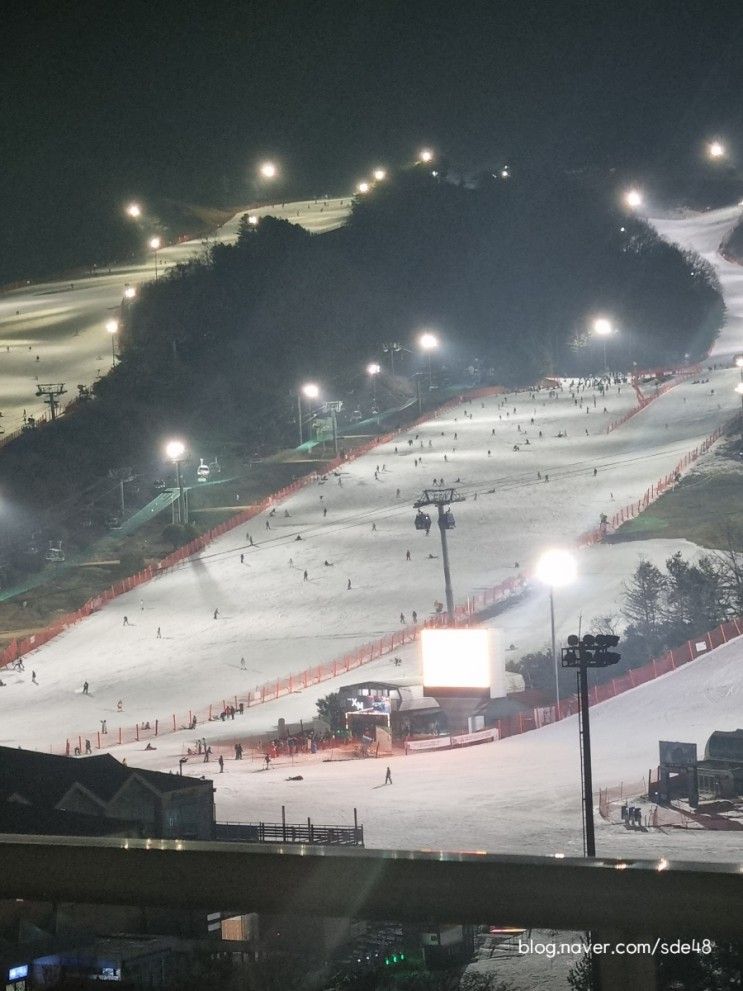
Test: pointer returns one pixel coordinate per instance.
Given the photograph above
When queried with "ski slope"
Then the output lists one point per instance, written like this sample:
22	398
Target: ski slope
282	623
62	323
704	233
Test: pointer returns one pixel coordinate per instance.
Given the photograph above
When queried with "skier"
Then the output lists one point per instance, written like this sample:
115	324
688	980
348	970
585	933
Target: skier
595	472
388	777
402	618
85	688
104	728
407	555
306	576
216	613
268	761
268	524
242	663
221	764
252	544
141	605
415	616
126	620
242	559
159	635
397	494
374	527
348	586
119	706
324	511
33	678
88	748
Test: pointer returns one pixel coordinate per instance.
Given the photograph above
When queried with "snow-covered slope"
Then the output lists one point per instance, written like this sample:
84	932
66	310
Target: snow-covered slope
63	323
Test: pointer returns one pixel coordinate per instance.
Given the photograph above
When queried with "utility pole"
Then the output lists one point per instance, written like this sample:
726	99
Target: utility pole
51	392
391	348
589	652
441	498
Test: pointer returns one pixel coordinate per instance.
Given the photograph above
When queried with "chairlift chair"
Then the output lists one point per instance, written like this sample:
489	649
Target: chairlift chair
55	553
203	471
449	521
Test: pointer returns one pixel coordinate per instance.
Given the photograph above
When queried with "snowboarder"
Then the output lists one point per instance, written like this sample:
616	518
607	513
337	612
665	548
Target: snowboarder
126	620
374	527
595	472
298	537
242	663
85	688
388	777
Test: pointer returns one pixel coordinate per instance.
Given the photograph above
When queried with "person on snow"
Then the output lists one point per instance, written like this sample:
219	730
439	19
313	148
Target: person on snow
407	555
85	688
268	524
158	635
33	678
221	764
88	748
242	663
388	777
306	576
242	559
348	585
119	706
402	617
126	621
324	511
415	616
216	613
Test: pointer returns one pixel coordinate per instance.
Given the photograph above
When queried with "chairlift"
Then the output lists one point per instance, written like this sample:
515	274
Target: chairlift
203	471
215	467
55	553
449	521
422	521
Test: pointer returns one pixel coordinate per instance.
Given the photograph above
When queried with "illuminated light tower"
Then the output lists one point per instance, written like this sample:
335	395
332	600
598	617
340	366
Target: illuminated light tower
440	498
425	156
739	388
633	198
268	170
155	244
134	210
556	568
428	342
309	391
373	369
175	449
362	187
603	328
112	326
380	175
716	150
253	220
129	292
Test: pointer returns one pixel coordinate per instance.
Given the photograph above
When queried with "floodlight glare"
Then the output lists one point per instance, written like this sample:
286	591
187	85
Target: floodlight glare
716	149
112	326
739	360
362	187
252	220
428	341
310	390
130	292
426	155
134	210
155	243
556	568
633	198
739	388
602	327
374	368
380	175
268	170
175	449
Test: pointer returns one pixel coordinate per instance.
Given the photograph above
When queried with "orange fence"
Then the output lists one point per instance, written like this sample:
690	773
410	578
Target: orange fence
643	400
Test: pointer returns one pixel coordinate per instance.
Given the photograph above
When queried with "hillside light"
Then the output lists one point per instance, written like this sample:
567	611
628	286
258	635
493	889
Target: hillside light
175	449
380	175
310	391
362	187
426	155
134	210
268	170
603	328
373	369
129	292
633	198
428	342
556	568
739	389
716	150
739	361
253	220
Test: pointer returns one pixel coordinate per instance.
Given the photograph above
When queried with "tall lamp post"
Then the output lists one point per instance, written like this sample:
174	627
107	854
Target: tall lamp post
556	568
175	449
112	326
310	391
603	328
428	343
155	244
373	369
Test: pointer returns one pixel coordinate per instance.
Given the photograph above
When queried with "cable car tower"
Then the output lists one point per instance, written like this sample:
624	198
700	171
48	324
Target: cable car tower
442	499
51	392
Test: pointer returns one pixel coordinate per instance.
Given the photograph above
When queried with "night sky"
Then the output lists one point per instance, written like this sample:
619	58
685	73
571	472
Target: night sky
182	99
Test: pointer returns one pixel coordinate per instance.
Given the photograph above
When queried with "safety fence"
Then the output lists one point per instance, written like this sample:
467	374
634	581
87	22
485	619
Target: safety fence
611	799
655	491
643	401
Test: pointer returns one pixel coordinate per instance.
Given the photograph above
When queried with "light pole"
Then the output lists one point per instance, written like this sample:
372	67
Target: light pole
112	326
129	292
556	568
155	244
268	170
428	342
134	210
362	187
633	198
175	449
716	150
603	328
311	391
392	348
380	175
373	369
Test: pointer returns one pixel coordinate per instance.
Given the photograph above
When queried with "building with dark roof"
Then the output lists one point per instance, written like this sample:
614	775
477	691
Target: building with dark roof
158	805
